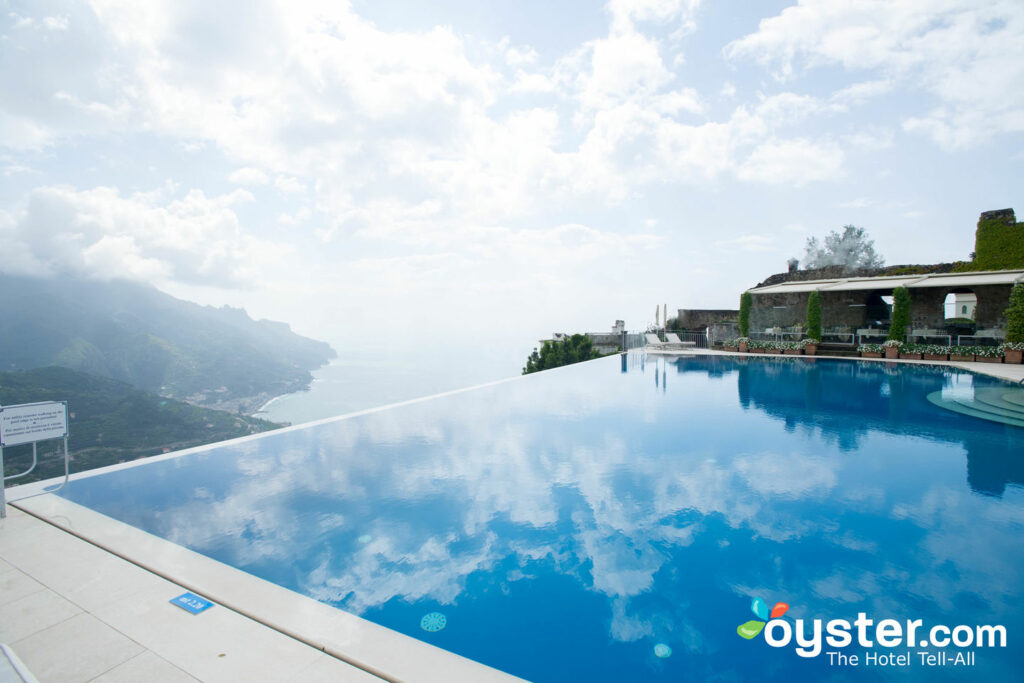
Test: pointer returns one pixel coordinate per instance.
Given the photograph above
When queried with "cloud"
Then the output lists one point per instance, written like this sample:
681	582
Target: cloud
968	56
102	234
795	162
249	176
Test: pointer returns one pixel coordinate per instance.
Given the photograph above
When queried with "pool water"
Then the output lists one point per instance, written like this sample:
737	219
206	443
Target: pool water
613	520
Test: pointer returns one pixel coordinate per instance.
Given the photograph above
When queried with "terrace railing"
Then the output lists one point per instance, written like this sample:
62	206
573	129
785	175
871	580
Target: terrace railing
699	339
633	340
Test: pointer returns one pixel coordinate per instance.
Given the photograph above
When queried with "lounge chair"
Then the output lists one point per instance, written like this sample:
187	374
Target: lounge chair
654	342
675	341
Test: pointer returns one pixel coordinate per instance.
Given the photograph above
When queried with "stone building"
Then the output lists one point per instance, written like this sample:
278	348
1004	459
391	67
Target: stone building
850	305
859	303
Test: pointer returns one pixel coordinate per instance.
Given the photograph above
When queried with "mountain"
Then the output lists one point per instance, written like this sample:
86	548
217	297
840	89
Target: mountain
111	422
135	333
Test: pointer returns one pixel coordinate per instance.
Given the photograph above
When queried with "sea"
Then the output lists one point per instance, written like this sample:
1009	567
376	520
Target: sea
359	379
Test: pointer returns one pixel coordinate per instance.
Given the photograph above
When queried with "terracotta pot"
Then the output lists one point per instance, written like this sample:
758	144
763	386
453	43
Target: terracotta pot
892	352
774	352
911	356
811	349
936	356
953	356
870	354
793	352
731	348
743	347
985	359
1013	356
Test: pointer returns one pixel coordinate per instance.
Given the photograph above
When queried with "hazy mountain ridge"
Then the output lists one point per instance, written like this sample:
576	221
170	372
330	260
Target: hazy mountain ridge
153	341
111	422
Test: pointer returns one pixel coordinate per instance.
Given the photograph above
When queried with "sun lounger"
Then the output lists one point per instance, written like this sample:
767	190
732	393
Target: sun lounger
654	342
674	340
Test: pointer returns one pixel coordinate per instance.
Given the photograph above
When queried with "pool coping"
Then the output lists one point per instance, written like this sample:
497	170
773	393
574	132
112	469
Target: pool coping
378	650
1010	372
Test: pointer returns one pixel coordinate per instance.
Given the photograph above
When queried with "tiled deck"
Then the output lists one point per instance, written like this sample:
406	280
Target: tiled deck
73	612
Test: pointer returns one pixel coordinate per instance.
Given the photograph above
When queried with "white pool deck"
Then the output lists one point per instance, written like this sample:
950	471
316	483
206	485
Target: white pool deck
77	610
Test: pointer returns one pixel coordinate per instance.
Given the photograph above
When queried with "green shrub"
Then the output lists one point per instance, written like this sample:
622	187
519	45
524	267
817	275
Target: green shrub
553	354
1015	315
746	300
900	313
814	315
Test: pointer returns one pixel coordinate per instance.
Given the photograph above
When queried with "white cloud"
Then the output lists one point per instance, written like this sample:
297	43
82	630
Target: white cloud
968	56
100	233
289	184
249	176
859	203
796	162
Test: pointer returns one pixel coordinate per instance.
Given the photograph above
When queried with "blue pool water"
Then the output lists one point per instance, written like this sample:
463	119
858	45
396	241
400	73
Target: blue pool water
613	520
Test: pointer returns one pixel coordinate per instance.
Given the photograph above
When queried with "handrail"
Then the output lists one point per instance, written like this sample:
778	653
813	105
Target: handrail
35	459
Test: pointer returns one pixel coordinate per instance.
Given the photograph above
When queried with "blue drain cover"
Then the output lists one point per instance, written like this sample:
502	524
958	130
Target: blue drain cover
435	621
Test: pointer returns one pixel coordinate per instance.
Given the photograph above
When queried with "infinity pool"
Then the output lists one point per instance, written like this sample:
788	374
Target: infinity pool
614	520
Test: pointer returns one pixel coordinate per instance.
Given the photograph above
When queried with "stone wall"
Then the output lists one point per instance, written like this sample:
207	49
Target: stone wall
836	272
850	309
778	310
694	319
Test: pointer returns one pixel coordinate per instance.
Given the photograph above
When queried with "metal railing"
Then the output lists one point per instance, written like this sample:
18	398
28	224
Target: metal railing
698	339
978	340
633	340
937	339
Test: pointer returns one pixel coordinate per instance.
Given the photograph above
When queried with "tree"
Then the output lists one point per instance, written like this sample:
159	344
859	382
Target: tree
814	315
746	300
850	249
553	354
1015	315
900	313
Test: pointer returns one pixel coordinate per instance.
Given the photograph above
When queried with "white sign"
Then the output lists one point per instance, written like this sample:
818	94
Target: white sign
30	422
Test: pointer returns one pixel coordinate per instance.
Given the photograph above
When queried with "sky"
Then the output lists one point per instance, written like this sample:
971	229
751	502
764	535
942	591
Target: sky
474	176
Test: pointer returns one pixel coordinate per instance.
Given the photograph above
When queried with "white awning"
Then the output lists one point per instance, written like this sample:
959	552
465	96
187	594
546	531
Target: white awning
1006	277
951	280
862	283
794	287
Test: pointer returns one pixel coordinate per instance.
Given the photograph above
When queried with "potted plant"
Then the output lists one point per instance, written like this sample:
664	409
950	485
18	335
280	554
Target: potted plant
1013	351
792	348
961	353
742	344
988	354
871	350
772	348
911	351
935	352
892	348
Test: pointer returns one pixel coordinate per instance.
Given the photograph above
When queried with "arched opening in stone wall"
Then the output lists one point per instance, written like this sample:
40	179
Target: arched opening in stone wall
960	304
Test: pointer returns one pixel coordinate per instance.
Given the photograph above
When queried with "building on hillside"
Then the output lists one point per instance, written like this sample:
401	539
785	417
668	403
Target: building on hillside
857	307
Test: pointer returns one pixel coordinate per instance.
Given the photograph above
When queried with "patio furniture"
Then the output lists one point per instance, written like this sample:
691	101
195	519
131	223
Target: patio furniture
674	340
